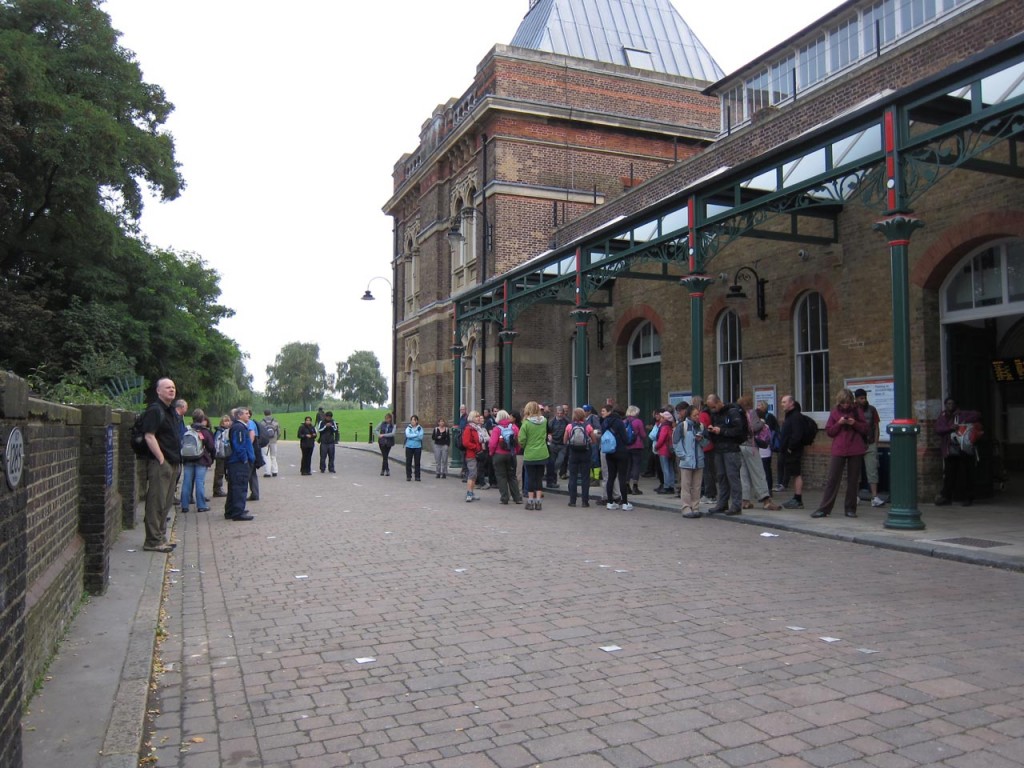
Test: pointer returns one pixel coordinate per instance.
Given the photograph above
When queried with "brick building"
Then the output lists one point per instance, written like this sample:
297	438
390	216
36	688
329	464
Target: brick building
882	114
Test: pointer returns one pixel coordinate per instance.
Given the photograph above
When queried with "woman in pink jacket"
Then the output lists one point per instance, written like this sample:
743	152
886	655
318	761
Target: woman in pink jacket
663	447
848	430
503	456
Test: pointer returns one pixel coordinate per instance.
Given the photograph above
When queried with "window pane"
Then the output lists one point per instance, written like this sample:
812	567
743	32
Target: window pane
1004	85
988	279
1015	270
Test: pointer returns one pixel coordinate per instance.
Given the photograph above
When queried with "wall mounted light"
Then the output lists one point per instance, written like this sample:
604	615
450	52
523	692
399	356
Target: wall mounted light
736	290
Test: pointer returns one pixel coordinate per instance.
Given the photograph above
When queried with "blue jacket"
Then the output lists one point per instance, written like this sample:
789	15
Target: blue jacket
242	450
414	436
686	442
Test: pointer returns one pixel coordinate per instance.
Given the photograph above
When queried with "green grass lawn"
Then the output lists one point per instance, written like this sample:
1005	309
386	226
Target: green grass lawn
353	426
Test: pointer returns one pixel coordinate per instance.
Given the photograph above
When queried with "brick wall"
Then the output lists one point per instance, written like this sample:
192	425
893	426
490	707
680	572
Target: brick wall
56	531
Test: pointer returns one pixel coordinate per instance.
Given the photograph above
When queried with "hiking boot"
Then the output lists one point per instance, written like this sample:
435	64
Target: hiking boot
793	504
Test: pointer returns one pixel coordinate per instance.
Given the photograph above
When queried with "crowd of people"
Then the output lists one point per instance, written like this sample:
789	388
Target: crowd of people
703	452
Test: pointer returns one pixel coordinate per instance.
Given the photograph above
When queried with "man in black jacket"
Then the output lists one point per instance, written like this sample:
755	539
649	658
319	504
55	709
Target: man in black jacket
162	427
728	431
792	439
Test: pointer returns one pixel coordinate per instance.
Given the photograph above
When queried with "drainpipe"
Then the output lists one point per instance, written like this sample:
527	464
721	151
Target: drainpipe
482	261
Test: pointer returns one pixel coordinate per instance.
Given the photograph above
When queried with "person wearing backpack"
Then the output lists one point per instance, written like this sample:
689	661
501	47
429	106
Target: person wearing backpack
613	436
270	431
193	481
847	428
502	444
728	431
957	467
792	447
239	464
534	438
221	452
635	447
579	438
472	447
663	450
755	484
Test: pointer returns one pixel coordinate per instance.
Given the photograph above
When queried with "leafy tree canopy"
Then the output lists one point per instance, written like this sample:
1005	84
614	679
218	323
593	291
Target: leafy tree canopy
82	297
297	376
360	380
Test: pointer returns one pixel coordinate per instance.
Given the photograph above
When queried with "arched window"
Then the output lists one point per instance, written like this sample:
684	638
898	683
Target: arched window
645	346
810	324
730	357
985	284
464	249
410	387
412	278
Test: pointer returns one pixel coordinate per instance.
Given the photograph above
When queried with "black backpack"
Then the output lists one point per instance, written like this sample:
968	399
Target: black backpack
138	438
810	430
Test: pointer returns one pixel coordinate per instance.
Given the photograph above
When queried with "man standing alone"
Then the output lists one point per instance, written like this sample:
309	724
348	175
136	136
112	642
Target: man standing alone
162	428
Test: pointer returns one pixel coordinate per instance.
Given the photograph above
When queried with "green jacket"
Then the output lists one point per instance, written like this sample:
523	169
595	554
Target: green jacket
533	436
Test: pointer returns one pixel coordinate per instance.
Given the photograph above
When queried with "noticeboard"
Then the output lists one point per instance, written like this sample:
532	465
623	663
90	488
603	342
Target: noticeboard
881	394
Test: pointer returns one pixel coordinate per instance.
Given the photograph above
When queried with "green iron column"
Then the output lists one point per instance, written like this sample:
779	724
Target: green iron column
903	511
696	285
455	452
582	317
507	338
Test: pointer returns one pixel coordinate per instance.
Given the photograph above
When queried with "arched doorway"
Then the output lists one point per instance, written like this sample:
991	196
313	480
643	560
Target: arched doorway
645	369
981	307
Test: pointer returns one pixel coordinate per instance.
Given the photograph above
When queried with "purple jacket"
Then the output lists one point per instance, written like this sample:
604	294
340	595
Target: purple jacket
947	423
847	439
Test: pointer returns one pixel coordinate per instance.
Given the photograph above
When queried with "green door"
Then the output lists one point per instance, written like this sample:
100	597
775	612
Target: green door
645	388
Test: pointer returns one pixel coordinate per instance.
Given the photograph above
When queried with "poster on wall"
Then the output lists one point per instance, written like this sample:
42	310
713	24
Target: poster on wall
766	392
881	394
675	398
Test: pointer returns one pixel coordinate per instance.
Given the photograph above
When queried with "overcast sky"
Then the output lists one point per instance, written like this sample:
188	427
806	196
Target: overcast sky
289	118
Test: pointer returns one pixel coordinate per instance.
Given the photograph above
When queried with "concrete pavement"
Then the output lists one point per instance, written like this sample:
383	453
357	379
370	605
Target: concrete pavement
487	627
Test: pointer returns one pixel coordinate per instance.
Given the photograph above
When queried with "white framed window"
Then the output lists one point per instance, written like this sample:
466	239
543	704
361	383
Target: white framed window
985	284
645	344
730	357
810	325
412	278
410	388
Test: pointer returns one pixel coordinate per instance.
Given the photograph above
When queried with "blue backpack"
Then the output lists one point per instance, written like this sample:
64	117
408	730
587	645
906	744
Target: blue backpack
608	442
630	434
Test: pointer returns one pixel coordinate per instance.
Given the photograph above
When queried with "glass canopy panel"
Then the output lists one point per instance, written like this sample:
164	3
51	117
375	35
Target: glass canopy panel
765	182
857	146
645	232
807	167
1003	85
675	221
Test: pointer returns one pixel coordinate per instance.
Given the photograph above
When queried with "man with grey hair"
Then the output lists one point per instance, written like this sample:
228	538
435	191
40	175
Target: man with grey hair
727	431
238	465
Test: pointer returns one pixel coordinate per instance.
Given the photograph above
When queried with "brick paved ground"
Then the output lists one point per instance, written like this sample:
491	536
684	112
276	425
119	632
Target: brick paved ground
487	624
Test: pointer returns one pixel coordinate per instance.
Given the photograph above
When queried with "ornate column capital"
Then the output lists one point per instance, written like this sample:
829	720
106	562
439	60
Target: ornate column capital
507	337
696	284
581	315
898	228
457	350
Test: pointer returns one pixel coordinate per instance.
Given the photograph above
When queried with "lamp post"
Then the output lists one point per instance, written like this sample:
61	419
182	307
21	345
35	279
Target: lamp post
367	296
736	290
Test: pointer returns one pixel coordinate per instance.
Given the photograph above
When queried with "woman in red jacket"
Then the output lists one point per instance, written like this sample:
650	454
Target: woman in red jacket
848	430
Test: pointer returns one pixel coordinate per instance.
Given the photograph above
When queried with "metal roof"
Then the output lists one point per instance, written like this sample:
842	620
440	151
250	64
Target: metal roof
620	32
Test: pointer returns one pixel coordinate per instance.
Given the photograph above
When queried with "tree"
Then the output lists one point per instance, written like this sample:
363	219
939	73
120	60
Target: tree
360	380
81	295
297	375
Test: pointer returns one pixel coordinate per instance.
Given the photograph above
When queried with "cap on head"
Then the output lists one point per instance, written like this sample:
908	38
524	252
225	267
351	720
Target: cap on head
861	393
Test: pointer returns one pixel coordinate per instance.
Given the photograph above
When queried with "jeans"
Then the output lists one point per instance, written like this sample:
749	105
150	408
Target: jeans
441	460
668	473
385	451
194	478
554	463
412	461
636	460
579	474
